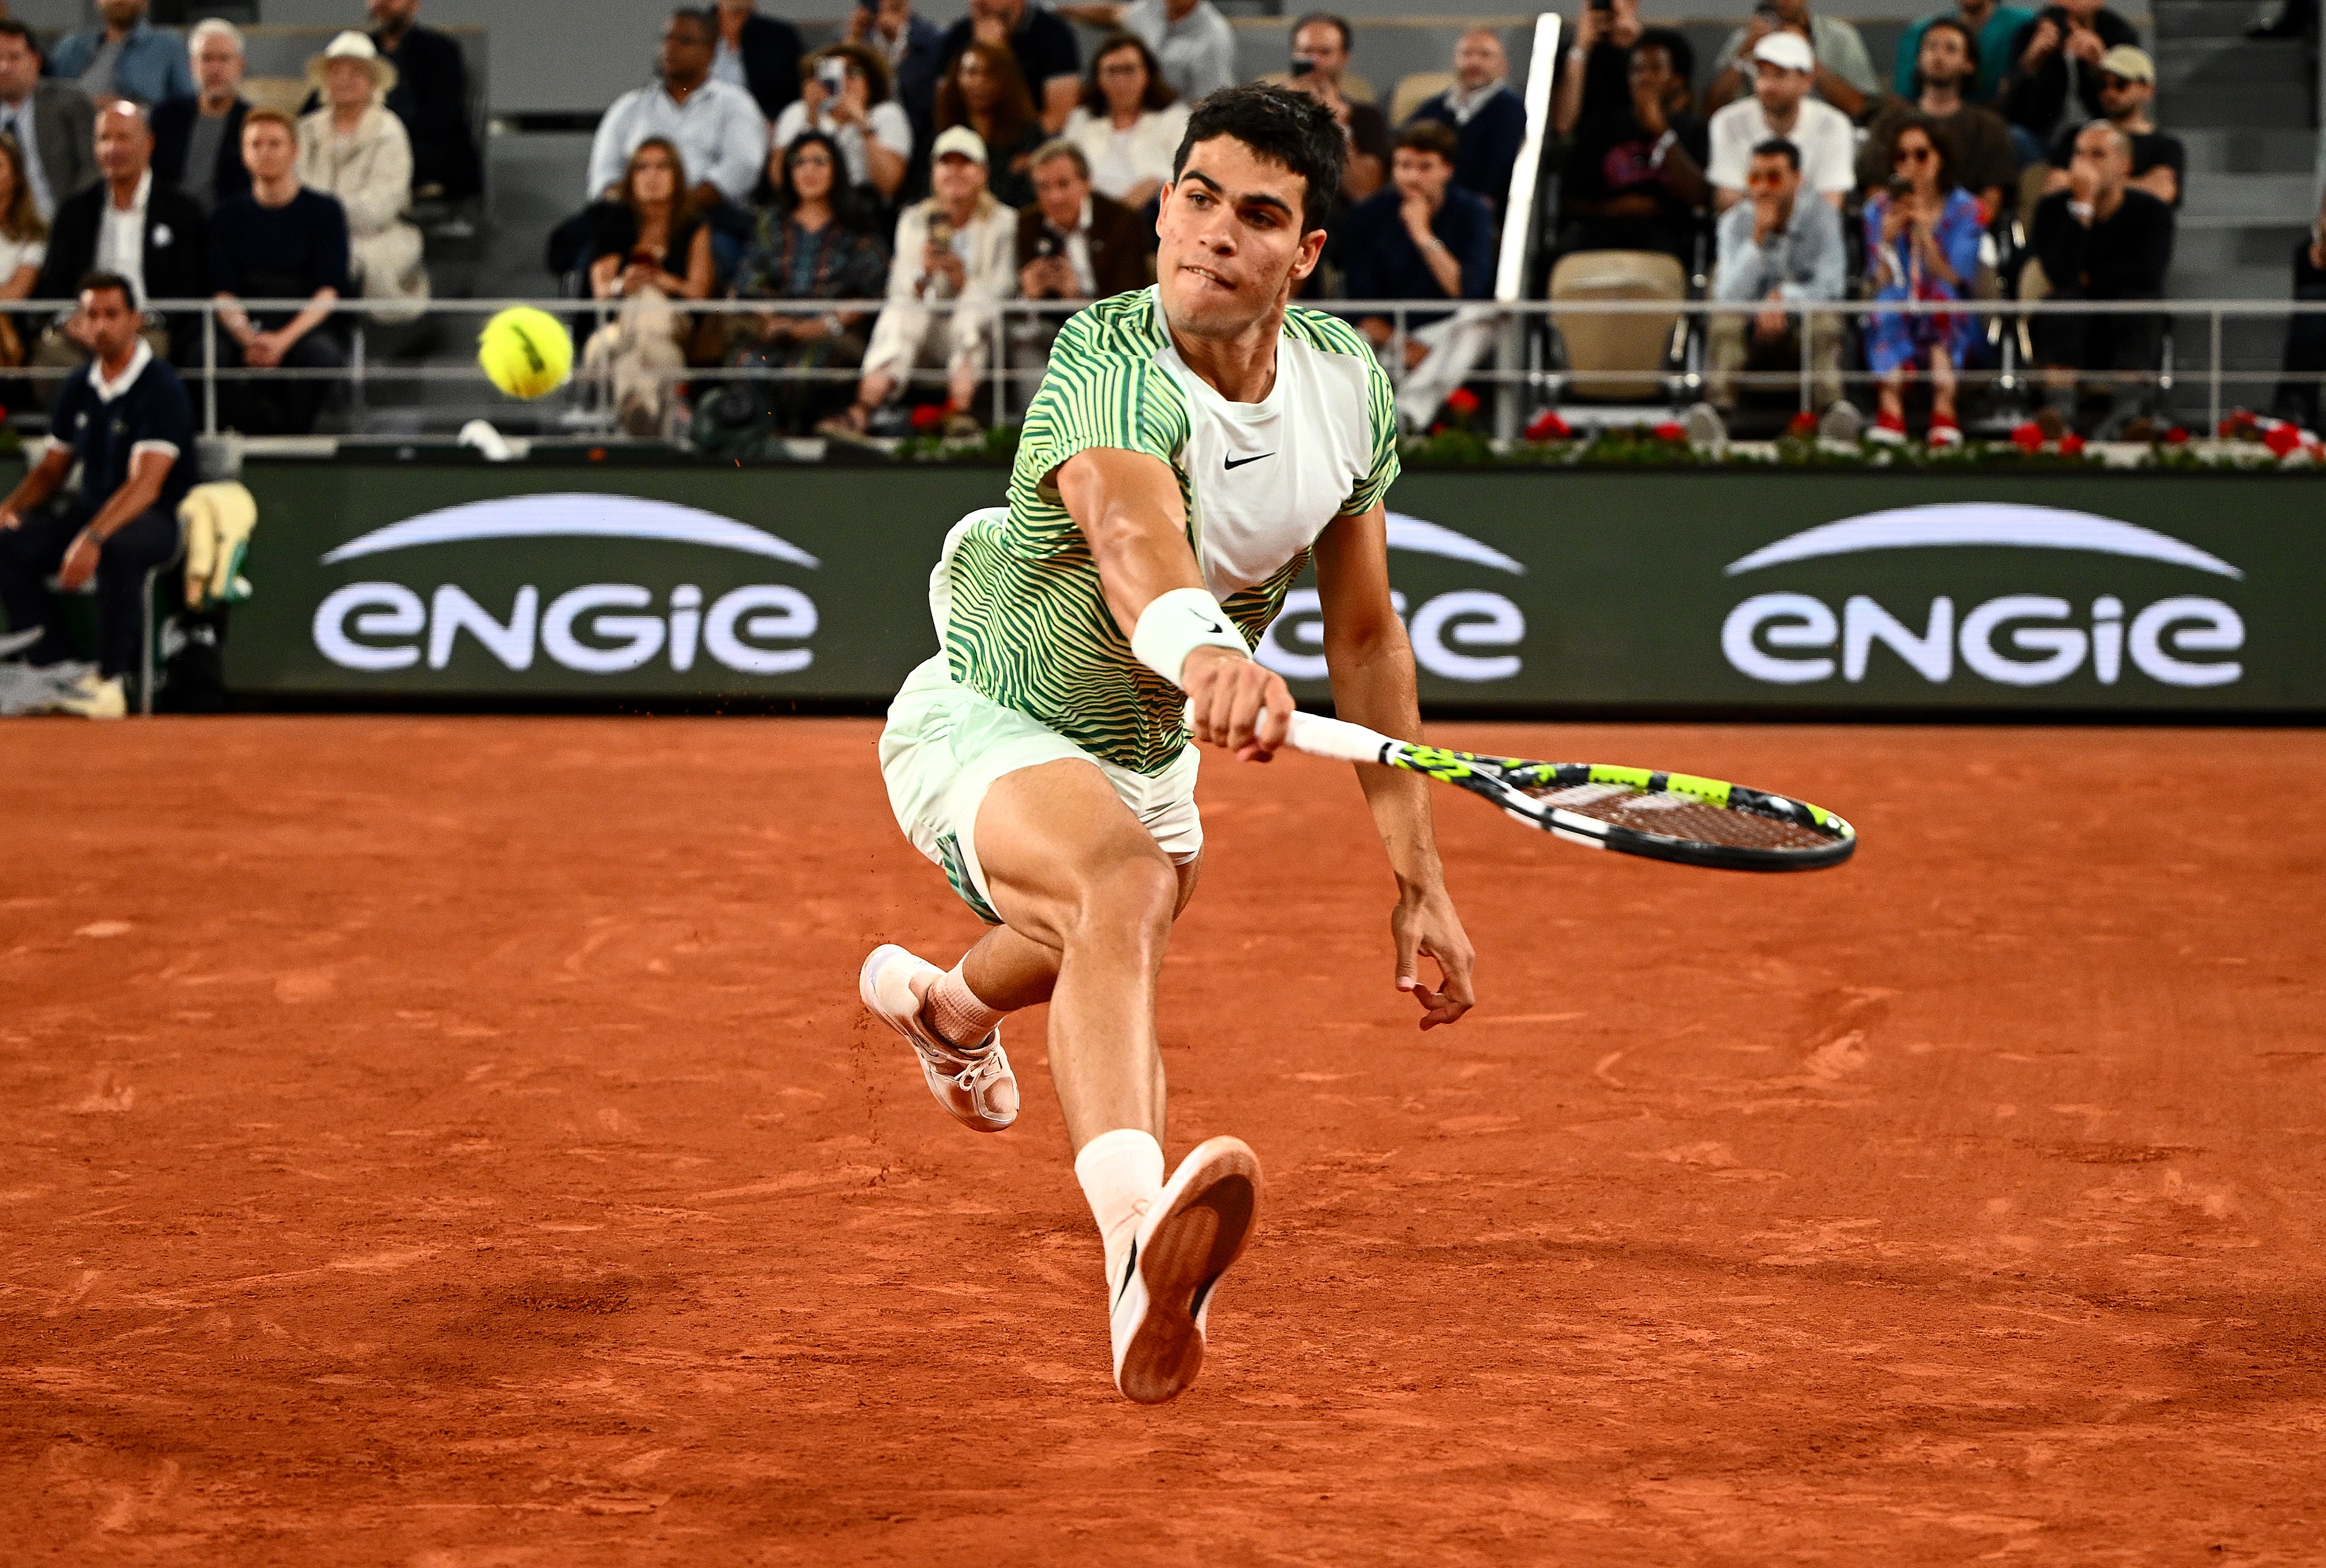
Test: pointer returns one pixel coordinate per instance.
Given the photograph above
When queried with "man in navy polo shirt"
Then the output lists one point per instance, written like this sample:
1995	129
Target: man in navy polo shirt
126	418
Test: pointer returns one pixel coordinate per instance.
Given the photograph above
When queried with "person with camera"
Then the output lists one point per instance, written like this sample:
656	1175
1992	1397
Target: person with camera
652	248
1073	245
1979	142
2055	77
846	96
1843	74
1635	181
956	249
1049	61
1922	236
1779	246
1320	68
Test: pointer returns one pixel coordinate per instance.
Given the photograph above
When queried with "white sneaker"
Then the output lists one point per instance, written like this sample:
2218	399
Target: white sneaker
974	1084
1196	1228
92	698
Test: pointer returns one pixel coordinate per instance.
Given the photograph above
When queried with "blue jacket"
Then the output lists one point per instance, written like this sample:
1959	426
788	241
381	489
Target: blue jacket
153	67
1379	261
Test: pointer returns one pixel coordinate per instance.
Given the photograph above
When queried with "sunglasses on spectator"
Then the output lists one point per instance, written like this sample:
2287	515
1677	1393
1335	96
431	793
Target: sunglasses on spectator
1760	180
2112	83
1913	155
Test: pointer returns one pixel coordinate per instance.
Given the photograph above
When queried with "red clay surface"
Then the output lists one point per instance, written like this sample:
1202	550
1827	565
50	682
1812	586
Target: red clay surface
455	1142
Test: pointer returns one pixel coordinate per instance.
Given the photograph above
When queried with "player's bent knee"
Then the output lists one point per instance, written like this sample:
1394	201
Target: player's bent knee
1130	893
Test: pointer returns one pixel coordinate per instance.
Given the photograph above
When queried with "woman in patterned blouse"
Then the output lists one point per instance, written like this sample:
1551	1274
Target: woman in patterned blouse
809	246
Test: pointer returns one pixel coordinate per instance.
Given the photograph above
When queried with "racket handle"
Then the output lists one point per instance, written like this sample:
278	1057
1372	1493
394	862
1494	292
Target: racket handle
1331	737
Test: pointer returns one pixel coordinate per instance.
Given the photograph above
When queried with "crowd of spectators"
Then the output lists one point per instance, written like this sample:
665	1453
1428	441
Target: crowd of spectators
128	150
2003	149
945	170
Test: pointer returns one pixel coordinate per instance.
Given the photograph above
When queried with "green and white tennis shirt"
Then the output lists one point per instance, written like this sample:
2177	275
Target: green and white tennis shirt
1028	624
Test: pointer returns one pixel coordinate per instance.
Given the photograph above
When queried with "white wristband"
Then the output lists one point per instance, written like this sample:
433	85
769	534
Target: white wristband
1174	625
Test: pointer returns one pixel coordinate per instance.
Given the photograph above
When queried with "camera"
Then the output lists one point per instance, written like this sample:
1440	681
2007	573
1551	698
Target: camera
1602	5
1303	66
831	75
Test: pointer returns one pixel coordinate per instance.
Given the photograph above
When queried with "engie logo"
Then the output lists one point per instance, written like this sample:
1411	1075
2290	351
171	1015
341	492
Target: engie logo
1464	635
2013	639
596	628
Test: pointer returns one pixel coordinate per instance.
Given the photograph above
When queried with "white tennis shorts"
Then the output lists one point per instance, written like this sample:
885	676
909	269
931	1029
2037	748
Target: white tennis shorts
945	745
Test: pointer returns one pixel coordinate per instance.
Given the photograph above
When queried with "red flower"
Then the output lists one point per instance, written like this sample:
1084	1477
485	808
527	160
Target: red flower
2028	438
1670	431
2283	440
1462	402
2072	445
1802	426
1547	427
2176	437
929	416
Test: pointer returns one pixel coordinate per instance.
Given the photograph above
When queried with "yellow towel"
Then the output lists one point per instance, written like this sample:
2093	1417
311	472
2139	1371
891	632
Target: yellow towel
219	518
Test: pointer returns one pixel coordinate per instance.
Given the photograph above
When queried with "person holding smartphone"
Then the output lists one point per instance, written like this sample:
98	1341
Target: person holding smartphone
1845	78
846	94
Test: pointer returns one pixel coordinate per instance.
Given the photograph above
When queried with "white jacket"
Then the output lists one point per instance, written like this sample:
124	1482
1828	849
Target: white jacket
1154	143
988	247
369	170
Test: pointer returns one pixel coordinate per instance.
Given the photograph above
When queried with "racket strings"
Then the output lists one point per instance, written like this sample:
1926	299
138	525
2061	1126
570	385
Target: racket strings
1674	816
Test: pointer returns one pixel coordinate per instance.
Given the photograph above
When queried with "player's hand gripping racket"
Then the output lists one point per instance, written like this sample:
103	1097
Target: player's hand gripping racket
1664	816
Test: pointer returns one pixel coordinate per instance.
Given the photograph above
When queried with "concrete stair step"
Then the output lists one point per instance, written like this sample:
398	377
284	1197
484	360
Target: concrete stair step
2255	282
2266	105
2251	150
2190	64
2261	199
2225	247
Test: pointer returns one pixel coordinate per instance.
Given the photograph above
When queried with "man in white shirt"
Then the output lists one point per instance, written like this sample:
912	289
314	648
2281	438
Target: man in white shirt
717	128
1780	109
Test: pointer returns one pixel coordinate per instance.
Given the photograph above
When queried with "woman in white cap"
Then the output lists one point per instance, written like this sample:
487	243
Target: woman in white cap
354	149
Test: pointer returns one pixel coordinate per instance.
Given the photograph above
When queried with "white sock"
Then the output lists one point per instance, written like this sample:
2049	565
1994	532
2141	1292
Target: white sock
1122	1172
958	1015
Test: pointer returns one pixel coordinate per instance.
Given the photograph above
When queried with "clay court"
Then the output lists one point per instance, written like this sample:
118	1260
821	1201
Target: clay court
455	1141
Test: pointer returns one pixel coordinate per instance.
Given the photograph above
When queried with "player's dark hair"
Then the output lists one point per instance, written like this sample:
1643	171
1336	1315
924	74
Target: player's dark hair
109	284
1778	147
1289	129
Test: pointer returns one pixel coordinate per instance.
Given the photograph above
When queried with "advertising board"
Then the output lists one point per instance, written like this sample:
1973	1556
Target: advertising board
1695	590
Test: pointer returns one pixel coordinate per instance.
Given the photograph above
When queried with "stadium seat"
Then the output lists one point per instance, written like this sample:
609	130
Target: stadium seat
1414	91
1617	357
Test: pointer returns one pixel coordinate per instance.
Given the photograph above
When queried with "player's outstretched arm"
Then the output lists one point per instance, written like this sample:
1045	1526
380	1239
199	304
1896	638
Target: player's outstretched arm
1128	505
1372	665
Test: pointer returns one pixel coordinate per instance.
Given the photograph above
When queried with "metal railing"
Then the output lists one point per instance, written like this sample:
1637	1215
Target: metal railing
1527	365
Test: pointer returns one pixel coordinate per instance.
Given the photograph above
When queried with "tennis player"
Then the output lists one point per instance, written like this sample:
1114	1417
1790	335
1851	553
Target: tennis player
1191	447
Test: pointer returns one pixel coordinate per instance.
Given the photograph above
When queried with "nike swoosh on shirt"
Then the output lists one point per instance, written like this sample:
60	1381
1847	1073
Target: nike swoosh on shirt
1236	463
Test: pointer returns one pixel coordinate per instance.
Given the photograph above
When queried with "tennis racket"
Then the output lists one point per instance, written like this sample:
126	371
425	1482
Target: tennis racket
1664	816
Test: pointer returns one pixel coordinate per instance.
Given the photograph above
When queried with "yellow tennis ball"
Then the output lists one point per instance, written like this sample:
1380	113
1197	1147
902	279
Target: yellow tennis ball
525	352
